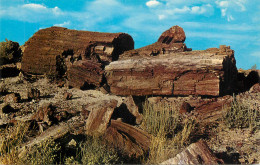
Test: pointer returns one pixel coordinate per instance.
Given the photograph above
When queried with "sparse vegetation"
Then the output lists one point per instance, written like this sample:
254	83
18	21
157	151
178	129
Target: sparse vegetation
170	132
9	52
254	67
241	115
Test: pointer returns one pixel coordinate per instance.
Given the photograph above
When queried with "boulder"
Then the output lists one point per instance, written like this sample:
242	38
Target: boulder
174	35
210	72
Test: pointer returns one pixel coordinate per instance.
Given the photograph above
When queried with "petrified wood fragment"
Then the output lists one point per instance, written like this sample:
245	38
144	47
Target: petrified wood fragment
132	141
196	153
172	40
45	52
210	72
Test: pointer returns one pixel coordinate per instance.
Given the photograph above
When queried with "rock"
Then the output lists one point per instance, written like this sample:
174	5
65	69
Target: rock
12	98
45	114
132	141
208	72
185	107
170	41
196	153
72	143
255	88
33	93
85	74
174	35
99	117
49	50
10	52
67	96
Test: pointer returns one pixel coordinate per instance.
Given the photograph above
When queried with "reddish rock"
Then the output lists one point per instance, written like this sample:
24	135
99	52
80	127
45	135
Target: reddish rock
45	114
131	140
99	117
174	35
46	51
33	93
209	72
85	74
12	98
67	95
255	88
185	107
196	153
133	109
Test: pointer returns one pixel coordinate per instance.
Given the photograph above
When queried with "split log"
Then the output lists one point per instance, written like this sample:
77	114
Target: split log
196	153
209	72
131	140
46	50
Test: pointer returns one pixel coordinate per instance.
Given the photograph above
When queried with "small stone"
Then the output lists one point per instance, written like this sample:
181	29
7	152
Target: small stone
185	107
72	143
33	93
12	98
67	96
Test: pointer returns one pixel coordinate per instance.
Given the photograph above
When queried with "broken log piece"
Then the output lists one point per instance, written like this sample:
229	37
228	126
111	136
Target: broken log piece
131	140
99	117
46	50
196	153
85	73
209	72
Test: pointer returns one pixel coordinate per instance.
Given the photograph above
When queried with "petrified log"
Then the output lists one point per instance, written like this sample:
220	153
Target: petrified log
46	50
209	72
84	74
196	153
132	141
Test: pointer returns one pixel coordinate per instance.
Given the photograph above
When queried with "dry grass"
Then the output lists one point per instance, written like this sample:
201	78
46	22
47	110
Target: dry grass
10	138
241	115
170	133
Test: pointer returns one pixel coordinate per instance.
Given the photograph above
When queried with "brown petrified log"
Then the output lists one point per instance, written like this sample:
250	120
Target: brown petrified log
46	50
196	153
209	72
131	140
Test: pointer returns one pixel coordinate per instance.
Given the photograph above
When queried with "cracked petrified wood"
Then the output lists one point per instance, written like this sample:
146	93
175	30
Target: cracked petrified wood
210	72
172	40
46	50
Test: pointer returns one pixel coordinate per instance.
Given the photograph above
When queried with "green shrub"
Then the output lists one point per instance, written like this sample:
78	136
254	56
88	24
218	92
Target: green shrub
10	52
241	115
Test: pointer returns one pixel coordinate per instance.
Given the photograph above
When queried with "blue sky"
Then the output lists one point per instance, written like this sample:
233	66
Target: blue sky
207	23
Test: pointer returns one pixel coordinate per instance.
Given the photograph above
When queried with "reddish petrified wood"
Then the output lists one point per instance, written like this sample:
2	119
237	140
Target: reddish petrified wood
46	51
132	141
196	153
210	72
85	73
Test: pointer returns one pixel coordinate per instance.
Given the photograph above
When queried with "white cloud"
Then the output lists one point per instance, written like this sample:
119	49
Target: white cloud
222	3
34	6
230	18
64	24
161	17
152	3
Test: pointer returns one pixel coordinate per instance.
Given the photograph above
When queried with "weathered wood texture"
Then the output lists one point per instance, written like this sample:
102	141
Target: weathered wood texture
196	153
131	140
85	73
209	72
45	51
172	40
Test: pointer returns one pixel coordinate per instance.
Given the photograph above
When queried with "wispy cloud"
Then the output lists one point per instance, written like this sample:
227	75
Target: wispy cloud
152	3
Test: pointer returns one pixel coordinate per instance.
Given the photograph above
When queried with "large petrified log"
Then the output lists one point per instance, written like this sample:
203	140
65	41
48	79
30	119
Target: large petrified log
46	50
209	72
196	153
